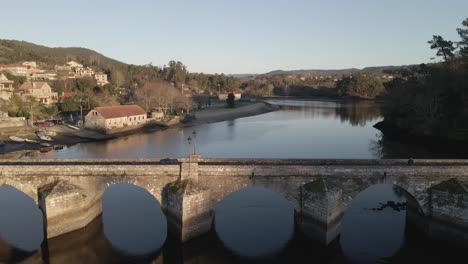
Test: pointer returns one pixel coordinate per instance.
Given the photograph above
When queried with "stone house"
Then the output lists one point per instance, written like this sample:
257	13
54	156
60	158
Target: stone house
115	118
101	78
6	88
39	90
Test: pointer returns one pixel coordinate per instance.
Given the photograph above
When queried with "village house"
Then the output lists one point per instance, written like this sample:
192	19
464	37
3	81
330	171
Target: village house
39	90
6	88
51	76
15	69
74	64
83	72
101	78
63	68
115	118
224	96
64	96
30	64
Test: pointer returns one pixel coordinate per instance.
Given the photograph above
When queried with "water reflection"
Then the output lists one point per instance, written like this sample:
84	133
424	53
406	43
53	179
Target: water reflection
301	129
243	222
369	234
133	220
20	222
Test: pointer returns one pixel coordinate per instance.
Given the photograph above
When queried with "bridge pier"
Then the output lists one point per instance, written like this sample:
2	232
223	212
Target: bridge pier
187	206
321	211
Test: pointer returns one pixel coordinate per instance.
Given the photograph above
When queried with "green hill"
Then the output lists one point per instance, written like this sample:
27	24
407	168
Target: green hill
13	51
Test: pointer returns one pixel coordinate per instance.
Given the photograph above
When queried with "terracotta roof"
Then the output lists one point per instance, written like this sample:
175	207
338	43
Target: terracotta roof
120	111
29	86
65	95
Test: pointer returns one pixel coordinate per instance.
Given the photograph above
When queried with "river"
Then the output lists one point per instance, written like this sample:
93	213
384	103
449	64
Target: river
253	225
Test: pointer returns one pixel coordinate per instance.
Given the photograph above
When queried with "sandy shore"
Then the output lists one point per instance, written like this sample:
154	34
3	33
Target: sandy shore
223	114
68	136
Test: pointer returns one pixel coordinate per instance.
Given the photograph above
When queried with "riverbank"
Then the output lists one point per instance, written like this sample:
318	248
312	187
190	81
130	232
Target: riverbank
67	136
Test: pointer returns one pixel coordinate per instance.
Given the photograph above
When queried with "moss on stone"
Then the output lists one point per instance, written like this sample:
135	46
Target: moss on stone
47	188
177	187
317	186
450	186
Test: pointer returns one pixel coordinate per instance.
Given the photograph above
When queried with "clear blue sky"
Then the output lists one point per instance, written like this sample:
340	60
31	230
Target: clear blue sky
240	36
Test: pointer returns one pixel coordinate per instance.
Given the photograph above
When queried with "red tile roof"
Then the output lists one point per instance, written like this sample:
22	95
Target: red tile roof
29	86
120	111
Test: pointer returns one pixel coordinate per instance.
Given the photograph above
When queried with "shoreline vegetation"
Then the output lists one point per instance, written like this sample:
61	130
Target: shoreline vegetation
68	137
430	103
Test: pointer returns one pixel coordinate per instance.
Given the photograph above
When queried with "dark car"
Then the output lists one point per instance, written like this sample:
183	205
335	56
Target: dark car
43	124
55	121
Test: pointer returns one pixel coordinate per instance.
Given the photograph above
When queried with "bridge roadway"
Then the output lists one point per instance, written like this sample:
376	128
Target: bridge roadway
69	191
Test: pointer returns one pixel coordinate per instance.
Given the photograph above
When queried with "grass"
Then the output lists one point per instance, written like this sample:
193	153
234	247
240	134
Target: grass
450	186
177	187
317	186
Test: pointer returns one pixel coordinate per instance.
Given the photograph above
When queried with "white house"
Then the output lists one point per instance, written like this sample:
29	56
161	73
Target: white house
118	118
101	78
74	64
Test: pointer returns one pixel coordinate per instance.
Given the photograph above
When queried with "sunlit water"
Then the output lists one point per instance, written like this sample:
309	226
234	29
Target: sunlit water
253	225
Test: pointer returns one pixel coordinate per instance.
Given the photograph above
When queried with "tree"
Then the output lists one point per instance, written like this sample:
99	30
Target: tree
365	86
231	100
445	48
463	43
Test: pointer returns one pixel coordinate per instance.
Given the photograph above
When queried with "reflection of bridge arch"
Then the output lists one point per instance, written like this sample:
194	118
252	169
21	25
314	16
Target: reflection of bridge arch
408	191
25	188
244	221
134	209
22	224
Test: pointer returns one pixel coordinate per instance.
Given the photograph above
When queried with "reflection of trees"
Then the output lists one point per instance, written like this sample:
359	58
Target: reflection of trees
386	148
358	113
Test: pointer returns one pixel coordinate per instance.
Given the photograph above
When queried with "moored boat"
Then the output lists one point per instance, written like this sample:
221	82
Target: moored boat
32	141
45	144
16	139
43	136
45	149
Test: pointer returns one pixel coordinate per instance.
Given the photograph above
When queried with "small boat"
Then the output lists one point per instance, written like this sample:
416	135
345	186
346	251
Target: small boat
73	127
45	144
48	133
45	149
43	136
32	141
16	139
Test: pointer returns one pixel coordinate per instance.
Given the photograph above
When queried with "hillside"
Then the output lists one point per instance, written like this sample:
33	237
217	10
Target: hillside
13	51
315	72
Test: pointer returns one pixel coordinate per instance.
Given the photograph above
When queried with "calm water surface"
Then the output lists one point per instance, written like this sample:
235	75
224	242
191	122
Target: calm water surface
253	225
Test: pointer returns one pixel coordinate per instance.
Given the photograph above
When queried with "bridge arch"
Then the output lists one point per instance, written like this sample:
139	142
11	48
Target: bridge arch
289	191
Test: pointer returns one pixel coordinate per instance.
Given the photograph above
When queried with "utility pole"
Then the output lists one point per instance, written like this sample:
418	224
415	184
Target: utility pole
81	113
194	142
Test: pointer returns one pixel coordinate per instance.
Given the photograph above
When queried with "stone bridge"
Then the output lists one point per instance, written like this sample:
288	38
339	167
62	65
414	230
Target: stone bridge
69	191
